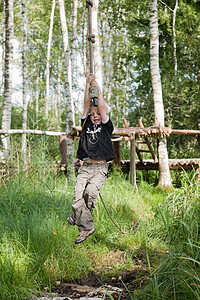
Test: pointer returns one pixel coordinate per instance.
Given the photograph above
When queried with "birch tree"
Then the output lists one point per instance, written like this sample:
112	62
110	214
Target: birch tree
37	101
164	172
74	42
174	39
24	79
48	58
8	66
69	103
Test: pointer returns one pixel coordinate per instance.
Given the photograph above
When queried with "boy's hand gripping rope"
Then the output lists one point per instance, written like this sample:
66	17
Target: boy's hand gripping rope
94	95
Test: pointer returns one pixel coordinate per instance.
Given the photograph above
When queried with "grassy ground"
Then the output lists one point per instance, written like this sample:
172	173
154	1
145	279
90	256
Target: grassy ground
161	244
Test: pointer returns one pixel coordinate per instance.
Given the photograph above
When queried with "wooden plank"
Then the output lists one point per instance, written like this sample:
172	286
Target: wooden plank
174	164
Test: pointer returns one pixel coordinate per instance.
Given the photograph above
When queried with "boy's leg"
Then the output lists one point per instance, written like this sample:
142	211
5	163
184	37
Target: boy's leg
91	192
89	181
79	205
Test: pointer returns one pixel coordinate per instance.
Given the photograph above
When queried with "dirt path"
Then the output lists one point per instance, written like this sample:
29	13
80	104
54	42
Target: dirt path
94	289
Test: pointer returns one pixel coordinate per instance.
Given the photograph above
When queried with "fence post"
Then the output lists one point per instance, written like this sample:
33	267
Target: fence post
132	161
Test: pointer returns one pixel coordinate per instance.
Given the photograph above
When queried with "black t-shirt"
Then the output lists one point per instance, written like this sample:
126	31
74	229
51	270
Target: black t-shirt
95	141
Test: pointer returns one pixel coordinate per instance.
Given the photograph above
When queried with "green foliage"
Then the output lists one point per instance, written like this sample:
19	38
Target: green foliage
130	59
37	244
125	44
178	273
16	121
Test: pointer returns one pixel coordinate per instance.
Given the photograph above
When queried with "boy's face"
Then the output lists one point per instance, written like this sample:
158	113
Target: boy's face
95	116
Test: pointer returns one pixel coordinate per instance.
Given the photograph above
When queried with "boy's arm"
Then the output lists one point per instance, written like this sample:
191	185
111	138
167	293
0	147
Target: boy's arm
101	103
90	78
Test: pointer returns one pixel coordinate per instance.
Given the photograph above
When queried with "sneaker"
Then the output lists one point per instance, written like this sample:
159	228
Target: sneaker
71	220
83	235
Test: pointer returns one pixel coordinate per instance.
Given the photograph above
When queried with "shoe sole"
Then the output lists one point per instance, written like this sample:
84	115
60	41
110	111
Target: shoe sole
77	242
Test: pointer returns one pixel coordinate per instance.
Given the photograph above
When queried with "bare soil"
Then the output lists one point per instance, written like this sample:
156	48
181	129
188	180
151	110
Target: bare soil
96	288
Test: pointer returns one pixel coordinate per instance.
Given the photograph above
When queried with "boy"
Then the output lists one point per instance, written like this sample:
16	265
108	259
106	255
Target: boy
95	149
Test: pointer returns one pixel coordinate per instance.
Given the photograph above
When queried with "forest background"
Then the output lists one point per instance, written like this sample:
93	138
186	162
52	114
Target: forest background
125	47
158	257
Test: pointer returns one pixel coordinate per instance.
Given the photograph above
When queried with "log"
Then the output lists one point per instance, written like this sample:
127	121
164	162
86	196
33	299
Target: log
32	131
117	131
121	138
136	148
63	149
125	123
126	132
117	160
185	131
174	164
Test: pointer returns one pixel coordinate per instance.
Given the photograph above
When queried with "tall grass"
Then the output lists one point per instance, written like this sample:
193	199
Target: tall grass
178	275
37	245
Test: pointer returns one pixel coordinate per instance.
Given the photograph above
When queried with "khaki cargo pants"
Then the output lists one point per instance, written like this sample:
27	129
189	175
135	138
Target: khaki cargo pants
90	179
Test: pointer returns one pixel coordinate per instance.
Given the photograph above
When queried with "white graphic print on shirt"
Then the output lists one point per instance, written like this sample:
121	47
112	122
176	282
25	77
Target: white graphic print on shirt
93	136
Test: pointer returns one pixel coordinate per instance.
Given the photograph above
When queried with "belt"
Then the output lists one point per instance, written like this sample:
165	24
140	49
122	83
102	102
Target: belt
94	164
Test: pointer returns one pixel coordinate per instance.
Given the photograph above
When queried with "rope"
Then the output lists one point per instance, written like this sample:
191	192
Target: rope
110	215
91	36
93	89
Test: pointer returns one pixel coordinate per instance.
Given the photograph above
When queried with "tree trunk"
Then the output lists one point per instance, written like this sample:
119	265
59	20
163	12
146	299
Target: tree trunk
24	80
37	101
69	103
2	32
164	172
74	73
74	43
174	39
59	92
7	95
48	58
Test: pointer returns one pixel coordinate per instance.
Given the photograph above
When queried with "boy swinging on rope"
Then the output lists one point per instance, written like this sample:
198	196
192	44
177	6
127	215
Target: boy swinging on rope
95	149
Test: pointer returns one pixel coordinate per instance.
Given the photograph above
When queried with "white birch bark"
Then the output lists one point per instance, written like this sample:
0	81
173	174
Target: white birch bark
3	55
48	58
74	42
59	92
96	45
174	38
164	172
8	65
37	101
69	102
24	80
